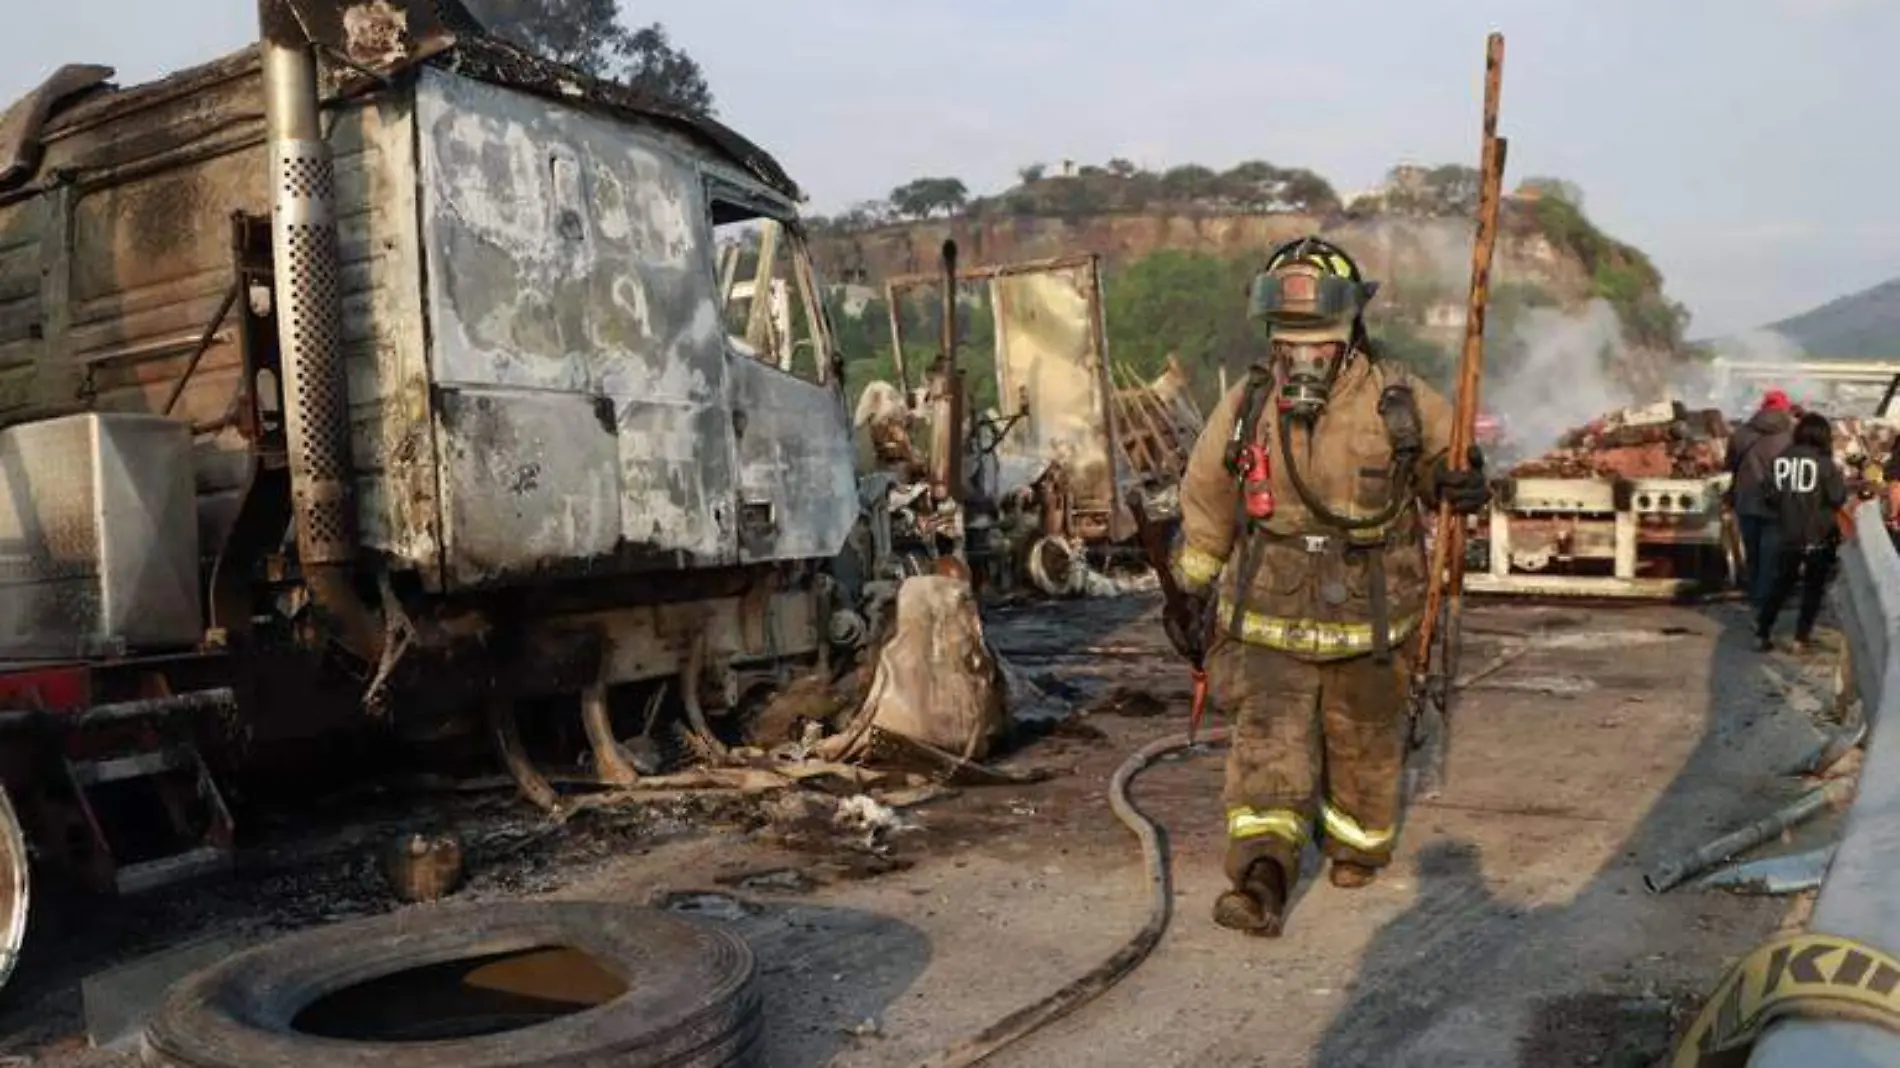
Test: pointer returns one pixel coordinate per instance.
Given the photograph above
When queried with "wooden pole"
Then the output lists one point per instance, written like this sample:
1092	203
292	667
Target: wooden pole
1445	587
891	296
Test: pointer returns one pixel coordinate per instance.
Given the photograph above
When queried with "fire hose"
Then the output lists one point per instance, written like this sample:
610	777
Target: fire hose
1093	983
1154	854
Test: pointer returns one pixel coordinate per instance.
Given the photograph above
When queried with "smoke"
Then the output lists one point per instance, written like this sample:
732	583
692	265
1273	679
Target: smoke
1433	253
1740	393
1562	380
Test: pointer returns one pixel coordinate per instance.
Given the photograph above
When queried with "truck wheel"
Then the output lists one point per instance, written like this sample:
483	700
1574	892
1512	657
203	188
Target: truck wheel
16	884
489	985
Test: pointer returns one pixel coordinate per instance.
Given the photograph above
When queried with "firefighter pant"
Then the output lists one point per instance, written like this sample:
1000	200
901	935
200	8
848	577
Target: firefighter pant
1317	751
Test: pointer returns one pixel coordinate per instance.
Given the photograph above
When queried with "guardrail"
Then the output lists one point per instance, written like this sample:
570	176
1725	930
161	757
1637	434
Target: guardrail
1860	899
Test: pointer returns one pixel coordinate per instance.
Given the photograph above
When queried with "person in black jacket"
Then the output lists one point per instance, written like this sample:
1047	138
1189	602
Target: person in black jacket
1750	449
1805	488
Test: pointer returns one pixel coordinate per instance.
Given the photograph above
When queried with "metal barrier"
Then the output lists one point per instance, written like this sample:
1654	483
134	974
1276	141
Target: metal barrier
1860	898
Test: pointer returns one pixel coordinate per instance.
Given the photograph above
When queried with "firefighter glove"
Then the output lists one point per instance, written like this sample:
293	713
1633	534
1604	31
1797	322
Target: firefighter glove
1466	491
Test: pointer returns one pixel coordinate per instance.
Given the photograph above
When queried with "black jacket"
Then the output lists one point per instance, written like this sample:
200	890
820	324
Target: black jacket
1750	449
1805	488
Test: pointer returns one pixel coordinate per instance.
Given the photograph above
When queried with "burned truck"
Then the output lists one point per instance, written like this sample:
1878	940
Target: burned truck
375	379
1628	506
1037	488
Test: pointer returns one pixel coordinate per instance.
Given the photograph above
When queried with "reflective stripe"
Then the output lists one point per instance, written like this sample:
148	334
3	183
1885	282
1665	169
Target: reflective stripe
1309	636
1279	822
1347	831
1196	570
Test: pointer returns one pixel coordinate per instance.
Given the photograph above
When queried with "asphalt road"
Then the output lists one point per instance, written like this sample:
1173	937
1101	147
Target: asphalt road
1513	929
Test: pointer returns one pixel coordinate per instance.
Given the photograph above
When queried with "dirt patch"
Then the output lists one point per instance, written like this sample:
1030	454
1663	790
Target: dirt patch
1605	1031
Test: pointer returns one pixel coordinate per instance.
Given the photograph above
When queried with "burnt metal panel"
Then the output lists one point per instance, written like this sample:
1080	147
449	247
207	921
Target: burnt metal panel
137	258
569	254
98	537
1049	351
545	466
22	318
22	123
141	260
385	349
798	494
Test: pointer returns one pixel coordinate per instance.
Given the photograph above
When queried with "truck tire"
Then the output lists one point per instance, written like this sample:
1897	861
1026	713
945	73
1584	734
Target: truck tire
689	1000
16	886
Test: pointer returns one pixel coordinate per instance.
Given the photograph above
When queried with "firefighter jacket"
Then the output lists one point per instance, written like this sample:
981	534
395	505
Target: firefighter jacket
1310	584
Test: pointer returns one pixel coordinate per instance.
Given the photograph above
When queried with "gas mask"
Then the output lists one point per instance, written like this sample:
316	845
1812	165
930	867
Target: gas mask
1309	296
1306	363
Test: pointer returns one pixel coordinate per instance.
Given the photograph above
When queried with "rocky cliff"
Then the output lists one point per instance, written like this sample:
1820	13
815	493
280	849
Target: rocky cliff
1571	307
1387	247
1423	264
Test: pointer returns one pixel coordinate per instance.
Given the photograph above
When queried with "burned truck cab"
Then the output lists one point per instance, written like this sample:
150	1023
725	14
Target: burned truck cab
384	376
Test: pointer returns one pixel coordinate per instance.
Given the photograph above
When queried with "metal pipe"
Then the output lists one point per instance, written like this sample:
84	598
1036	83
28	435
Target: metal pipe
309	330
1790	874
1672	873
609	763
946	452
219	699
1831	751
697	728
505	730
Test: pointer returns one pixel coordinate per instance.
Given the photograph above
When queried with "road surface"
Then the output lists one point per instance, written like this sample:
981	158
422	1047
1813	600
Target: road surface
1513	928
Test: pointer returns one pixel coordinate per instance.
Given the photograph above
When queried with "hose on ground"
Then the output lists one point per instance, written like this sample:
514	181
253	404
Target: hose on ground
1090	985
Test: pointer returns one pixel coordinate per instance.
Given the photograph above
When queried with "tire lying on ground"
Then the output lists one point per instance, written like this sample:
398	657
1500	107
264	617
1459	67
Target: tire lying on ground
502	985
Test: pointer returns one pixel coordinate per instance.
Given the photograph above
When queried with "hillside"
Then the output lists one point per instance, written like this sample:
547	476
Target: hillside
1180	246
1865	324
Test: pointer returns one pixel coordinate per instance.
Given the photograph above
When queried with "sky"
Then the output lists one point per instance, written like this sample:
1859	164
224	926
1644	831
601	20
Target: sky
1747	145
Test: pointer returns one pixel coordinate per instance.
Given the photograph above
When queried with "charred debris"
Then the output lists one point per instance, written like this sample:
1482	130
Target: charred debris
423	414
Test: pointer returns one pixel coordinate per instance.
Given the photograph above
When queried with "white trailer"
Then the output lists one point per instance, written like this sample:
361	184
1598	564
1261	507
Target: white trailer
1645	538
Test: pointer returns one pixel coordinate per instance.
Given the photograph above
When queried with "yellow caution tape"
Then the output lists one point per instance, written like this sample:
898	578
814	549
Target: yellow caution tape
1810	975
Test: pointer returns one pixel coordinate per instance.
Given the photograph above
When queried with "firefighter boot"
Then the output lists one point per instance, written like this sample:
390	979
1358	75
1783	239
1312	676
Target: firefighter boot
1256	904
1350	876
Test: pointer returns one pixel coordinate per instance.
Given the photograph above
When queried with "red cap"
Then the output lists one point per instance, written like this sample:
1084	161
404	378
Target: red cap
1775	401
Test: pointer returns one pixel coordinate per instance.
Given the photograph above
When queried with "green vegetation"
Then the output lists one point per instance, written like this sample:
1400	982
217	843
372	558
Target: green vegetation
1619	273
864	341
1116	186
1188	304
590	36
1191	303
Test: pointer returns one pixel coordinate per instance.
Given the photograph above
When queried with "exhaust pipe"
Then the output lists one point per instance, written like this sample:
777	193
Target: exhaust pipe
309	330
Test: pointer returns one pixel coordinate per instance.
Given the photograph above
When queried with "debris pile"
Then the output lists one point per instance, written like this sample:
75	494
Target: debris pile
1665	440
1860	441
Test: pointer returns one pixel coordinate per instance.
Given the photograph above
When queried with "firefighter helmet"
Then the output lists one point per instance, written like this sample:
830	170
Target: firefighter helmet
1309	283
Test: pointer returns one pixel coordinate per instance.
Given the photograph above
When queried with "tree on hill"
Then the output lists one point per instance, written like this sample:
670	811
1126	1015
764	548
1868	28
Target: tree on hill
1619	273
1304	191
921	198
1194	305
589	36
1554	189
1447	190
1188	181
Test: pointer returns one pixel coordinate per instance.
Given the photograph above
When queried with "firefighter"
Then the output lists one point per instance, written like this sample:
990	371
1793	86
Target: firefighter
1301	533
